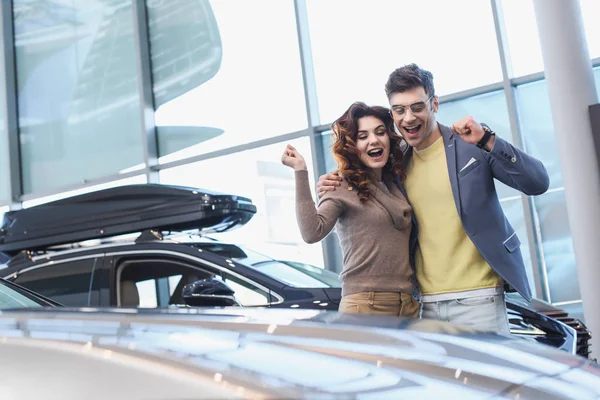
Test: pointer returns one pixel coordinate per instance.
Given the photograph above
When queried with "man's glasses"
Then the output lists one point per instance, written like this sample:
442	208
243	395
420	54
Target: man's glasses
415	108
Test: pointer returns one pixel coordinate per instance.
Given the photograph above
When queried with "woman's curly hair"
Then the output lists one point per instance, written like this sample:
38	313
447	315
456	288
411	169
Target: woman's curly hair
347	155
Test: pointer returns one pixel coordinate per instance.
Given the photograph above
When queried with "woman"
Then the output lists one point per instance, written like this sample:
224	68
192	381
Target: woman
370	213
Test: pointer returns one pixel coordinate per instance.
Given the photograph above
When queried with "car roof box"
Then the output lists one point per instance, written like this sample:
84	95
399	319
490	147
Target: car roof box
121	210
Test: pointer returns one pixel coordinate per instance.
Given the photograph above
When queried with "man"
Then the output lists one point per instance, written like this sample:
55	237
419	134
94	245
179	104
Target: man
467	249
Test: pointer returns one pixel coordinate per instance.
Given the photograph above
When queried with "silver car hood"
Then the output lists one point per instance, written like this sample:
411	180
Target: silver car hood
258	353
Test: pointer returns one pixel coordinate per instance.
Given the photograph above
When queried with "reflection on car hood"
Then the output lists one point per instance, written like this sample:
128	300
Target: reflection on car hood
257	353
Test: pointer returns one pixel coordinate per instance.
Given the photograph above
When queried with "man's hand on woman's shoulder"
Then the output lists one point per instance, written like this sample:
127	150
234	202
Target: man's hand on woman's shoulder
327	183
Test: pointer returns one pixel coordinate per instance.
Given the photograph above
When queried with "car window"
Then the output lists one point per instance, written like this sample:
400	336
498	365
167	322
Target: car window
152	282
150	290
11	298
68	282
245	293
298	274
291	273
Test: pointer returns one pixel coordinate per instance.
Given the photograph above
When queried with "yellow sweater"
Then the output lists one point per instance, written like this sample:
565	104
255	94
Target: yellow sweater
447	260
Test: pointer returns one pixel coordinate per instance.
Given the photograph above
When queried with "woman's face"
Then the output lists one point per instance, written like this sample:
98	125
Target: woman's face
373	143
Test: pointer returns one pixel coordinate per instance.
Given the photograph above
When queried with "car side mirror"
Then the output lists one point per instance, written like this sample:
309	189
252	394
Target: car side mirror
208	292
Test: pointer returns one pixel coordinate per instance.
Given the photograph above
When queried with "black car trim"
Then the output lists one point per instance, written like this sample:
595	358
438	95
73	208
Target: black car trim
52	262
56	253
196	259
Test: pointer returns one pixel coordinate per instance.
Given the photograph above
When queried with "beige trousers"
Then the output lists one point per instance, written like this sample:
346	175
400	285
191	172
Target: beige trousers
381	303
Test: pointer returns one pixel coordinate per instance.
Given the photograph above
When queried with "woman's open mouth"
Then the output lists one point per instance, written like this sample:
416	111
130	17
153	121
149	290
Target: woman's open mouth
376	153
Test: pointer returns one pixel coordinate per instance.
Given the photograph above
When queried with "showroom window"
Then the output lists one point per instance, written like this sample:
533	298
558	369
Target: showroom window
225	73
597	79
357	44
259	175
537	128
557	246
63	195
78	105
4	155
523	39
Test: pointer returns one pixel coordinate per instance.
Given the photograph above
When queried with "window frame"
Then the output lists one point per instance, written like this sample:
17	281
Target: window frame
124	262
170	255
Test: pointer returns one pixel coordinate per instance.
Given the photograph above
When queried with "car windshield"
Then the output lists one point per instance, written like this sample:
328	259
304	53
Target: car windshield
13	297
298	274
291	273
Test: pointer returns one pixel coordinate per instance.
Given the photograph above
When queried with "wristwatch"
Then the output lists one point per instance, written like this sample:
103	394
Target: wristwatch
487	134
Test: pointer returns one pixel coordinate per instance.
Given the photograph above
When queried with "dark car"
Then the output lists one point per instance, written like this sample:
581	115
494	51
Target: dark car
80	252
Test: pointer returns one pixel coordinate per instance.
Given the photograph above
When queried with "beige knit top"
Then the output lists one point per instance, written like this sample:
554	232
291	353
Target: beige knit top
374	235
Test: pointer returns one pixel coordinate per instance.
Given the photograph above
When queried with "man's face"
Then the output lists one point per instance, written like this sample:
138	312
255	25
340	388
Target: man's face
414	115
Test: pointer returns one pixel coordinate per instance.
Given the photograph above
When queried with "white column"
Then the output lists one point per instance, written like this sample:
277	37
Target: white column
568	71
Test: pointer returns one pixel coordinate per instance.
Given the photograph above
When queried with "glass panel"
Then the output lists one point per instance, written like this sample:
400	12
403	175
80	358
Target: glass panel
357	44
597	79
489	108
173	282
79	111
259	175
537	128
513	209
129	181
245	293
4	156
10	298
3	257
558	246
147	293
523	37
67	283
213	63
590	10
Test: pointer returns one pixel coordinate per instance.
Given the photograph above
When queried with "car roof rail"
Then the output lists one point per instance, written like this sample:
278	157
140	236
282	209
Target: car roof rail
149	236
24	256
122	210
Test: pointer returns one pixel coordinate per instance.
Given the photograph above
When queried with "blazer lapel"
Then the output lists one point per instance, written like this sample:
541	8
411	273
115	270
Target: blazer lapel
450	147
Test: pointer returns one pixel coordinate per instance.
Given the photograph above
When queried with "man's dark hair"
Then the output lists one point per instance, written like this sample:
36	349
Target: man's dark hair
409	77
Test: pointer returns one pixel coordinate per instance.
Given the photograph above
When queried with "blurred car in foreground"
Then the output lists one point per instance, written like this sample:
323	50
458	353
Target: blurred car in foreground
200	353
79	252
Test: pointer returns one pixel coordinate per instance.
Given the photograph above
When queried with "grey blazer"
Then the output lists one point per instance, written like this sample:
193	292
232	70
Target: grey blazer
472	172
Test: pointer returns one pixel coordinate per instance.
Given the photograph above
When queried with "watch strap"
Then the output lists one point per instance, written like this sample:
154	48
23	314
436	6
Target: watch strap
487	134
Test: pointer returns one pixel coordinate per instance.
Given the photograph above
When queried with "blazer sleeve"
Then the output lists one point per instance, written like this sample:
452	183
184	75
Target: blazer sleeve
517	169
315	223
